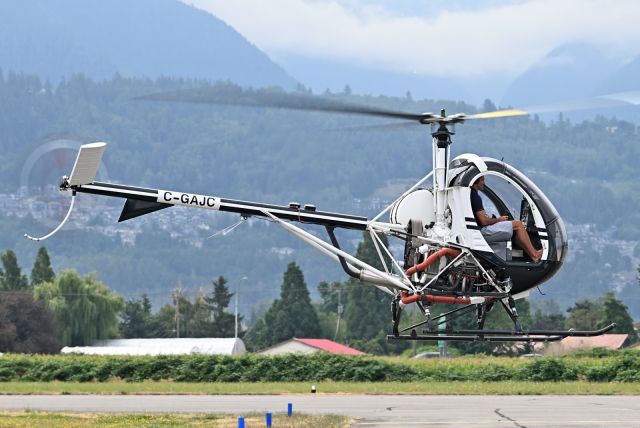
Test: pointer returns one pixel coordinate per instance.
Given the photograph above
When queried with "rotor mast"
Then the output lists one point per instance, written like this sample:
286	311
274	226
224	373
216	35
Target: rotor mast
441	143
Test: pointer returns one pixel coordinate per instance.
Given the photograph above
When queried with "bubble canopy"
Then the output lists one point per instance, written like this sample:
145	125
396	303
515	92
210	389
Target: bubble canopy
507	187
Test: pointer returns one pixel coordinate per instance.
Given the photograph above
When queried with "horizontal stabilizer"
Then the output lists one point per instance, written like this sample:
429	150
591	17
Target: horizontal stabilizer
135	208
87	163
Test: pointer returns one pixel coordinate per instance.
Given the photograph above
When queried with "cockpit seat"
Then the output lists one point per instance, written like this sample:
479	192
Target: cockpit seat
497	235
501	249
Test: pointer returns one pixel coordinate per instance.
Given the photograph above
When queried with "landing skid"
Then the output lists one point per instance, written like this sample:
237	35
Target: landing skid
500	335
437	328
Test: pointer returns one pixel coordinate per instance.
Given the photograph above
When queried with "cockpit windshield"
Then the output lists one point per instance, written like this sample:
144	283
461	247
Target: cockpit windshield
507	193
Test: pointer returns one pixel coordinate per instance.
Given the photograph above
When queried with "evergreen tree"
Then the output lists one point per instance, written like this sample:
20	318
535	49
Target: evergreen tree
292	315
42	271
488	105
218	302
200	323
85	308
257	337
332	293
584	315
367	311
11	277
547	321
616	311
166	319
137	321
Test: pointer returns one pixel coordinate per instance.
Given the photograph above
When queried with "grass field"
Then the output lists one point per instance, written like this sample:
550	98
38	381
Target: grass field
73	420
448	388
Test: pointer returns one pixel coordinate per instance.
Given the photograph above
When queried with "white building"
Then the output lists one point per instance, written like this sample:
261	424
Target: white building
182	346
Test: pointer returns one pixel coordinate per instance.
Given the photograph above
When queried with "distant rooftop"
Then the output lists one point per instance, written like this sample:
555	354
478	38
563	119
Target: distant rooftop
329	346
309	346
570	344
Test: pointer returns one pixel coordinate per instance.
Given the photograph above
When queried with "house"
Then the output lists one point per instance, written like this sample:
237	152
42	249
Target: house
572	344
177	346
310	346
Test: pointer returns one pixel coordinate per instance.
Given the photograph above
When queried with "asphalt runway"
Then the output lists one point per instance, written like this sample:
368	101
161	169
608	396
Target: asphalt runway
371	410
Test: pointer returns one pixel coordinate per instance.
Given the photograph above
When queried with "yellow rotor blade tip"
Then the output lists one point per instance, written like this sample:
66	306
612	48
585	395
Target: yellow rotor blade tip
501	113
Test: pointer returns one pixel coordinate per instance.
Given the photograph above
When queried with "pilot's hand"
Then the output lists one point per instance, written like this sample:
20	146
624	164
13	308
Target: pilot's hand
503	218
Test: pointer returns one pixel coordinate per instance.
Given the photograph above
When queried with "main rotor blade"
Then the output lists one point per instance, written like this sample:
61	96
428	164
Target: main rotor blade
498	113
619	99
264	98
376	127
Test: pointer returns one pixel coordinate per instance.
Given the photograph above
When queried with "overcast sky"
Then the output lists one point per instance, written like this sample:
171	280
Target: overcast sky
457	37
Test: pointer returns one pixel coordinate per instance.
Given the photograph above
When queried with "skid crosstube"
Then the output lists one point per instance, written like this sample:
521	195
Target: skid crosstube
474	338
502	335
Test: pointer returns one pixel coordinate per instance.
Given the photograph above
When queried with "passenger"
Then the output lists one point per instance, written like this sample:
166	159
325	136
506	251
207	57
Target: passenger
500	229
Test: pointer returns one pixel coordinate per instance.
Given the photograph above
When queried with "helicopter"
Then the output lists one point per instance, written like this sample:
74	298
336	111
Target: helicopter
447	258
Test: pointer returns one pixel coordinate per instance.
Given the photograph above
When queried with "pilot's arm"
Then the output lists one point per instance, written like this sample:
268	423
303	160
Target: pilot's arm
484	220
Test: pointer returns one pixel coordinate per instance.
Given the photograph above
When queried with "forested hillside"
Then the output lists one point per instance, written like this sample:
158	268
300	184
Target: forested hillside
589	170
150	38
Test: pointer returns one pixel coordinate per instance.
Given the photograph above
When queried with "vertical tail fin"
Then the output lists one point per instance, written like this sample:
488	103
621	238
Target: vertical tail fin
87	163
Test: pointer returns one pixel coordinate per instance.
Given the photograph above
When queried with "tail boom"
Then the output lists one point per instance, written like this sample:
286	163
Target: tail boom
157	199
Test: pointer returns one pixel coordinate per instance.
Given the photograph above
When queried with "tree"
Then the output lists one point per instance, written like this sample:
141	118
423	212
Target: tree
547	316
26	325
137	321
201	322
497	319
331	310
547	321
332	294
11	277
85	308
166	319
42	271
488	105
367	311
292	315
584	315
185	318
223	324
614	310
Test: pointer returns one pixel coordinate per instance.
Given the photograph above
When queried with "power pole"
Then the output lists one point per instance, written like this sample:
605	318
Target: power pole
176	301
236	310
340	310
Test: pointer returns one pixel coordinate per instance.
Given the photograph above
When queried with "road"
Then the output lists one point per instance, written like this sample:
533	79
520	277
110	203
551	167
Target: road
371	410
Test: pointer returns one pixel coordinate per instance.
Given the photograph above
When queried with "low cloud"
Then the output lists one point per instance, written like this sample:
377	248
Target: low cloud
502	38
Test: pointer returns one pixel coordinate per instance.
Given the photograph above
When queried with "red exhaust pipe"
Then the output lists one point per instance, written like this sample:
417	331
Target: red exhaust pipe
432	258
452	300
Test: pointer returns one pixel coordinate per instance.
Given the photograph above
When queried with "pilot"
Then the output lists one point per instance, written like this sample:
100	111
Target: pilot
500	228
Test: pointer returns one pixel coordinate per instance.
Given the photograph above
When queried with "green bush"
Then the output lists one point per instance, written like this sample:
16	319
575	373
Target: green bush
548	370
496	373
624	367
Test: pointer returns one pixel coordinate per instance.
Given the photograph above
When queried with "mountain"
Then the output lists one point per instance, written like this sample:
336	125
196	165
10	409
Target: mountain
626	78
569	72
149	38
333	75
